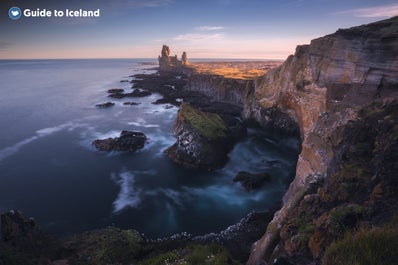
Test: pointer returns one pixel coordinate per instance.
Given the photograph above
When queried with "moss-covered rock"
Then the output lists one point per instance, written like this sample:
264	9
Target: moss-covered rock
106	246
203	139
194	254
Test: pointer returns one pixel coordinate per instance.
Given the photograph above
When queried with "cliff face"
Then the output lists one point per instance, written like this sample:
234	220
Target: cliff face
203	139
220	88
322	87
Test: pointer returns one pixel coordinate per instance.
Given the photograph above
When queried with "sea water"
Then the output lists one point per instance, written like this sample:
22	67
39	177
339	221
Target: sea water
50	170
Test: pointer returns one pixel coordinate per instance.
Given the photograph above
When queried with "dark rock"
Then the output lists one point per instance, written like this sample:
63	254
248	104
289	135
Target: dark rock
128	141
110	245
171	63
105	105
135	94
131	103
251	181
124	81
23	240
172	87
203	139
115	90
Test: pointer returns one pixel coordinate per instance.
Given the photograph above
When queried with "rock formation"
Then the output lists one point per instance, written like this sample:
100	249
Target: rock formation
203	139
105	105
23	241
322	87
251	181
169	63
128	141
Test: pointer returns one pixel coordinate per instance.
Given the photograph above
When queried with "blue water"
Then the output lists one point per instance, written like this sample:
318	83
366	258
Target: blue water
50	170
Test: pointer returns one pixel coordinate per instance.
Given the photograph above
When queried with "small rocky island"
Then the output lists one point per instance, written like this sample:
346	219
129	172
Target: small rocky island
203	139
342	203
128	141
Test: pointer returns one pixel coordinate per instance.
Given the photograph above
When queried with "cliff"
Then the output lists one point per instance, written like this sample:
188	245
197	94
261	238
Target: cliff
323	87
203	139
220	88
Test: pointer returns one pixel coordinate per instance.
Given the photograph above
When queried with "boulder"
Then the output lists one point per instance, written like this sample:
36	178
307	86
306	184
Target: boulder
131	103
203	139
251	181
105	105
128	141
115	90
135	94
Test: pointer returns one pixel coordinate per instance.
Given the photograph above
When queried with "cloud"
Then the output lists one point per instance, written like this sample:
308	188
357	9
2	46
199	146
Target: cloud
373	12
209	28
197	37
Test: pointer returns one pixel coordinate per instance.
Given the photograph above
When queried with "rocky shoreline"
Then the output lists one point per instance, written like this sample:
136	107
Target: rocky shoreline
343	106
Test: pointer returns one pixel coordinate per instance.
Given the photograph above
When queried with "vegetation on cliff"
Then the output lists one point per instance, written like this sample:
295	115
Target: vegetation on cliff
203	139
206	124
359	197
346	172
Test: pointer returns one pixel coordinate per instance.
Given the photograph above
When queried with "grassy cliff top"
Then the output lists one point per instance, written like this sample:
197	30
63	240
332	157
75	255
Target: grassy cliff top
247	70
208	125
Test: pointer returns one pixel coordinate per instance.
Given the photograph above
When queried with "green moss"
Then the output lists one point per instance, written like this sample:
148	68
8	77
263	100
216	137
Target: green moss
377	246
344	218
193	254
164	258
110	245
208	125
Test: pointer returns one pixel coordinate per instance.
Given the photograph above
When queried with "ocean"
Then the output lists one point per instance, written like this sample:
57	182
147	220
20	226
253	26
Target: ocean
49	169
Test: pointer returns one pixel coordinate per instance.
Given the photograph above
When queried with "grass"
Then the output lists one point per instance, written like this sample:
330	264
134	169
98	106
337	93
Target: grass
343	218
237	70
207	125
105	246
366	247
193	254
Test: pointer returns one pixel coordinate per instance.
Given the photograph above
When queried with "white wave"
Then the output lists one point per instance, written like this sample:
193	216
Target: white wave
137	124
159	141
129	195
174	196
11	150
225	195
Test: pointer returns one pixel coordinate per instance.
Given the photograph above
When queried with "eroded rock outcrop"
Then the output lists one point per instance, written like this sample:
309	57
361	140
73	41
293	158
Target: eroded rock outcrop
322	87
169	63
203	139
23	242
128	141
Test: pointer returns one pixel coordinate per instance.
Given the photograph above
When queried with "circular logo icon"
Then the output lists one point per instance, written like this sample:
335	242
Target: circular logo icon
14	13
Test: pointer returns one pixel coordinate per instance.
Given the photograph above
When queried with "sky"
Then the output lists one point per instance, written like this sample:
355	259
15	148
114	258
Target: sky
240	29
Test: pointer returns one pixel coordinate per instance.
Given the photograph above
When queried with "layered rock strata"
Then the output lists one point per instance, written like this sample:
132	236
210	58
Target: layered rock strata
322	87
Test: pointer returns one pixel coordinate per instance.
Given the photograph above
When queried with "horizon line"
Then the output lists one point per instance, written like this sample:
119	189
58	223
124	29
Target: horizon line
144	58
